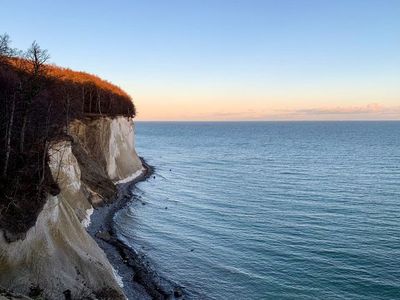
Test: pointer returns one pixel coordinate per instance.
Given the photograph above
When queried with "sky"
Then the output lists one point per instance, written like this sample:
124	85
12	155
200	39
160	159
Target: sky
227	60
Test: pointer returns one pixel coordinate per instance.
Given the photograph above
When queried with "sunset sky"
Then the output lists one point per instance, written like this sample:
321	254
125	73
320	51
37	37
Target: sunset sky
227	60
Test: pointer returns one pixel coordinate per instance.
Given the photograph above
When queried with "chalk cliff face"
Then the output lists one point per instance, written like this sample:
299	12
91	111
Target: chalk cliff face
110	142
58	255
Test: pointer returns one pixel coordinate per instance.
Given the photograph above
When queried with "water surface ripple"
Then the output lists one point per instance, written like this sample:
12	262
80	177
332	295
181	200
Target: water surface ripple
271	210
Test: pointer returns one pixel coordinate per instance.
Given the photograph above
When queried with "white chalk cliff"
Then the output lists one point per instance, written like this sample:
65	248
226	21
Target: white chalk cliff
110	142
57	254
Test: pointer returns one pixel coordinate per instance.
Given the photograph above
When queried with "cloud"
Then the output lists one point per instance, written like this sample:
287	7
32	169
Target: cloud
373	111
373	108
248	114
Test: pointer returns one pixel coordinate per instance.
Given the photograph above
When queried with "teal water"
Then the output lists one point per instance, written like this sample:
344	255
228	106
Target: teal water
274	210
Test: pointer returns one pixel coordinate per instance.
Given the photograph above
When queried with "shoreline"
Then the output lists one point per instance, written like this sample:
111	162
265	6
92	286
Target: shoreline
134	271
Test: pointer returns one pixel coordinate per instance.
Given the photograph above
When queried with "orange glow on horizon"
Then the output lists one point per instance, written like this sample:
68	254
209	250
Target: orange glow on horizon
208	106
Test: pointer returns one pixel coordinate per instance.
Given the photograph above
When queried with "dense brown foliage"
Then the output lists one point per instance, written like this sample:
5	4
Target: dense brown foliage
87	93
37	102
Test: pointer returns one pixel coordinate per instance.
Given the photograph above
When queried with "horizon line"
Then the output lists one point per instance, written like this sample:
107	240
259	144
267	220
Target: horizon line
259	121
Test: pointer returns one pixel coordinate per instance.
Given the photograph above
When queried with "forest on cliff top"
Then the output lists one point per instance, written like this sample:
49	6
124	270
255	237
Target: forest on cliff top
37	102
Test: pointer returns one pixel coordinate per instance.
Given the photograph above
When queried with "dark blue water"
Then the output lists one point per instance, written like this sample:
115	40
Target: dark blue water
279	210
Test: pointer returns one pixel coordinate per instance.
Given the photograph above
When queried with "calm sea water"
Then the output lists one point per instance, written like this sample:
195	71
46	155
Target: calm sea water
274	210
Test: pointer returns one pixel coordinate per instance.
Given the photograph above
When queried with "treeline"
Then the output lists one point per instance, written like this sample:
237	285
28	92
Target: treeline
37	103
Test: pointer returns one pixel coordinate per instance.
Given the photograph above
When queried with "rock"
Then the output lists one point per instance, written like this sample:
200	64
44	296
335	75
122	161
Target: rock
104	235
7	295
178	292
94	198
12	237
67	294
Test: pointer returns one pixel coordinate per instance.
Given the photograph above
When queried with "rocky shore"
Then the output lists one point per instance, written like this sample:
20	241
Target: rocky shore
137	275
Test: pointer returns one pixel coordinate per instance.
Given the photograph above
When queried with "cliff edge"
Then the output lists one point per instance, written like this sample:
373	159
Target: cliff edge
57	258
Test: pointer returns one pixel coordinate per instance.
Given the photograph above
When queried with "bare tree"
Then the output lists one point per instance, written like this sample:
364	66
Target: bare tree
5	53
36	58
5	49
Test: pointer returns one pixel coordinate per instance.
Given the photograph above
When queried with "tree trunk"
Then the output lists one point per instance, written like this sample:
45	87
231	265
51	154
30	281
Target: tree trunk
90	101
9	133
23	129
43	170
83	99
99	101
67	106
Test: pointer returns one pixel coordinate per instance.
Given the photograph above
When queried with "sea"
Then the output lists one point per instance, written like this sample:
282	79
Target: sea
270	210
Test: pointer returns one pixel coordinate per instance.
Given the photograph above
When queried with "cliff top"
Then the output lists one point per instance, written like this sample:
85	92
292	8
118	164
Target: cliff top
37	103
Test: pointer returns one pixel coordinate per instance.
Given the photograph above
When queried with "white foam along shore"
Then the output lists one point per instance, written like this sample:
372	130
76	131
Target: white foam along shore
86	221
131	177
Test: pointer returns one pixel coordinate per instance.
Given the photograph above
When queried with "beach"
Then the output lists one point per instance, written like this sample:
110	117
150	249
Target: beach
134	271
